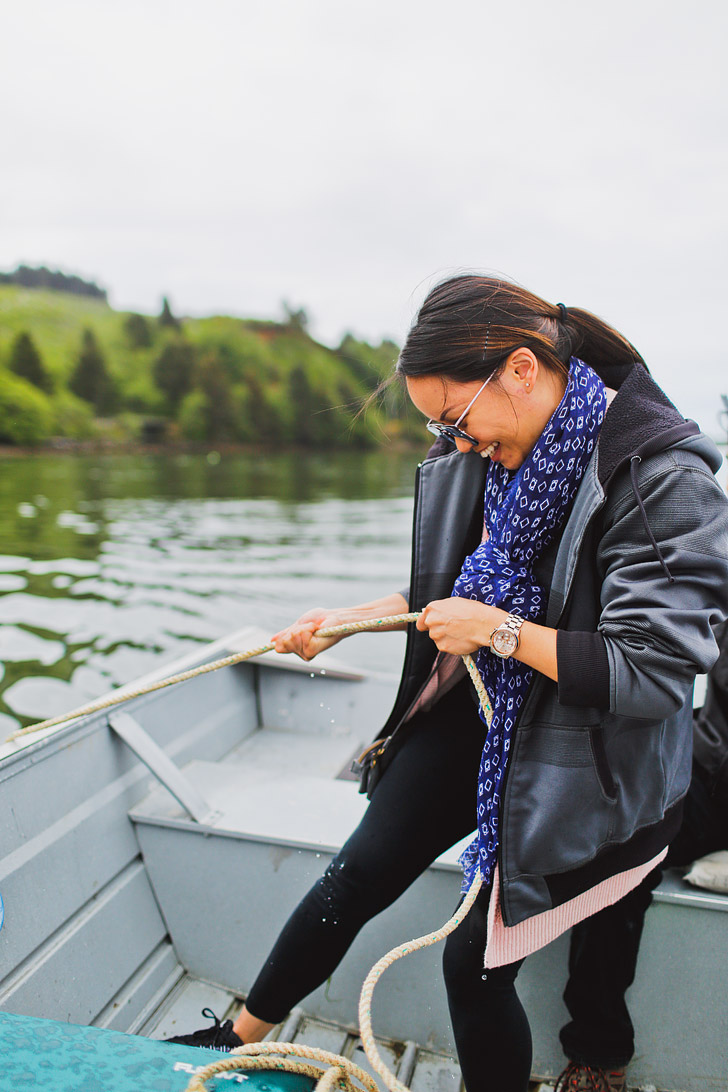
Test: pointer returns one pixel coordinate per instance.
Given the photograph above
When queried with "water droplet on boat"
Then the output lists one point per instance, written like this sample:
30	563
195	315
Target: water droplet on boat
318	855
312	675
323	670
484	977
321	705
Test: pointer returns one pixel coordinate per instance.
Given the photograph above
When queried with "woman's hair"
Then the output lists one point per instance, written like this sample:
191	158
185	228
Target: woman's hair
468	326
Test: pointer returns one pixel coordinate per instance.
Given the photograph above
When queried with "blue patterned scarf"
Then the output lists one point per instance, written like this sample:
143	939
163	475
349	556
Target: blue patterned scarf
524	510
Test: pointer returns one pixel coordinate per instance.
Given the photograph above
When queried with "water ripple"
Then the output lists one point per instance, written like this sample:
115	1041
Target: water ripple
117	572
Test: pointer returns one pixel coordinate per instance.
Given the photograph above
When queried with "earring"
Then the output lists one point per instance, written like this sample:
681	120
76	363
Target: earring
527	384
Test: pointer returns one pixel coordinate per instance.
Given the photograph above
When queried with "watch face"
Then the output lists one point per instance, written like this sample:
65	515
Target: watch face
504	642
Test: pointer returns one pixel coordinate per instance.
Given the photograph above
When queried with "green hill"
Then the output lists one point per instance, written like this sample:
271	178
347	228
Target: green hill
72	366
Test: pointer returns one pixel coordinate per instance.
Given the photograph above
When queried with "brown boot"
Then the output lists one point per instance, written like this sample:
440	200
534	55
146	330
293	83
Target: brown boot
590	1078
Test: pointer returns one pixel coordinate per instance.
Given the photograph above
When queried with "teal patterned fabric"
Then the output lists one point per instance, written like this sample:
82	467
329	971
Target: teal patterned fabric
45	1055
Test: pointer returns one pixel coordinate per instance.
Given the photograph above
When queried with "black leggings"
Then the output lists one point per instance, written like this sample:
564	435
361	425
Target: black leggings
424	803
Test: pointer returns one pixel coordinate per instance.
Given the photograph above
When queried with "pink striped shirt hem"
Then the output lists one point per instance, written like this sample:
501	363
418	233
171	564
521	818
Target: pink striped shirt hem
506	944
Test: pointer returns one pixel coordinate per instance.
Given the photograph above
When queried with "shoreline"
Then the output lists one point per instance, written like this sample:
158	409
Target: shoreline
95	447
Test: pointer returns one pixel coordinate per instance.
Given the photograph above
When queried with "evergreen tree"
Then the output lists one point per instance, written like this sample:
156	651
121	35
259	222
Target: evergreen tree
26	416
173	370
138	332
90	379
213	380
313	420
301	398
26	361
213	403
295	319
166	317
265	421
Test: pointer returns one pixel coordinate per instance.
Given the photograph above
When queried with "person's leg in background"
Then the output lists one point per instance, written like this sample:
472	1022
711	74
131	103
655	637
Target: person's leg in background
602	961
604	950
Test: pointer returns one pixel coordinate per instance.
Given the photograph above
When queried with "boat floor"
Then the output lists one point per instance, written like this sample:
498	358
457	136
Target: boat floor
422	1070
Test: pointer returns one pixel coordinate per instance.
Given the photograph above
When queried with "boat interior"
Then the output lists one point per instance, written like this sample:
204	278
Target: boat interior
151	853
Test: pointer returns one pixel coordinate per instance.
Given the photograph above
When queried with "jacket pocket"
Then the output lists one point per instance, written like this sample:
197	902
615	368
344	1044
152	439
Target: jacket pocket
560	800
601	763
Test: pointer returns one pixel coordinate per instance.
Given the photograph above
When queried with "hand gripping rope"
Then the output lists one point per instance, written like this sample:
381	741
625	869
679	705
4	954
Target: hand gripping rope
238	657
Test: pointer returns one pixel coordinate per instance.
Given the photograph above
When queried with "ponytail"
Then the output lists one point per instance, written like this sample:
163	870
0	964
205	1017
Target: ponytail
468	326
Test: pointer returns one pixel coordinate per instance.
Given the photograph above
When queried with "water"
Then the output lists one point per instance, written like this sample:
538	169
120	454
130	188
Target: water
113	565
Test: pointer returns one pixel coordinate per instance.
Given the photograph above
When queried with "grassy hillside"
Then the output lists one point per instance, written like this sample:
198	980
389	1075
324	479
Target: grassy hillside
114	374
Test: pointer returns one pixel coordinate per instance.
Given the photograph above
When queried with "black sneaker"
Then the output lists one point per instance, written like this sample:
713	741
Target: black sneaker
218	1037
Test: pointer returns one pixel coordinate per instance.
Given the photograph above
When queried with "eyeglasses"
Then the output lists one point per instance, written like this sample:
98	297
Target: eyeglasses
452	432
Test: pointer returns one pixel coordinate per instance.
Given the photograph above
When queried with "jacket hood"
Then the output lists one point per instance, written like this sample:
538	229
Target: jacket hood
645	423
642	421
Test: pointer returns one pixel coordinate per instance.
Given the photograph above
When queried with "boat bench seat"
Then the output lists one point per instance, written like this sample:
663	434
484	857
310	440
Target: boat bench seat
280	787
676	892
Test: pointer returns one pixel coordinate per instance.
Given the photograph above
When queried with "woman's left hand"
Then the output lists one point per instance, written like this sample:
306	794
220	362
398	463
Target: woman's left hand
460	626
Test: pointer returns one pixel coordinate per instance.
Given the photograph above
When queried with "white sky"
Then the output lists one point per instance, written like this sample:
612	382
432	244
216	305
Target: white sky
345	155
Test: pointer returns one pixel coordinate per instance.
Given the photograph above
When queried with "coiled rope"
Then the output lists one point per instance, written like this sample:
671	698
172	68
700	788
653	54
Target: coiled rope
345	630
272	1056
342	1072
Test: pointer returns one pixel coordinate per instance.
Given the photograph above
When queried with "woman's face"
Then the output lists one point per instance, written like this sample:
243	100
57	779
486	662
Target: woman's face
507	417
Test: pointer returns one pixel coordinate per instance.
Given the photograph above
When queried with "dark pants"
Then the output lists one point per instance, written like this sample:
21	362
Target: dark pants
424	803
604	948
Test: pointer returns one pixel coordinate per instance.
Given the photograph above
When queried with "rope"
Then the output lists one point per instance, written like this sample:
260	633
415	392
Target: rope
238	657
342	1073
365	999
479	688
271	1056
268	1055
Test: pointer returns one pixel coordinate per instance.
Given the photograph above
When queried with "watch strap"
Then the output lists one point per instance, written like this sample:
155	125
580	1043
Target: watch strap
512	624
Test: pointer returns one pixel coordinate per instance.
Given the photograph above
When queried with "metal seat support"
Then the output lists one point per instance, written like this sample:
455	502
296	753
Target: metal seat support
163	768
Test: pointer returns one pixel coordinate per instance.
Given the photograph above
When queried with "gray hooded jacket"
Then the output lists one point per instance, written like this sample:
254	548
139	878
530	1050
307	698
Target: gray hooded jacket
600	761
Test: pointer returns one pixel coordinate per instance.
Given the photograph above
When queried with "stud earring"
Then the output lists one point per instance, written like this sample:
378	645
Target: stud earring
527	385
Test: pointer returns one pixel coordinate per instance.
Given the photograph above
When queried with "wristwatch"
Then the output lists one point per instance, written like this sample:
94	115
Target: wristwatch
505	639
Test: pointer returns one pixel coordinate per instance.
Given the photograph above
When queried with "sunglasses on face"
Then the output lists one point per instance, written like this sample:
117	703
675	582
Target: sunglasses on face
452	432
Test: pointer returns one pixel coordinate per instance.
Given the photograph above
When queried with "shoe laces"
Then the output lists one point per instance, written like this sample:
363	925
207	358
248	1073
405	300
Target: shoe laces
210	1015
220	1032
578	1077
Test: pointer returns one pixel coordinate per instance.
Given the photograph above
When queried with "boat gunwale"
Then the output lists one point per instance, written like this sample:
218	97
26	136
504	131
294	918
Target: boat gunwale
31	745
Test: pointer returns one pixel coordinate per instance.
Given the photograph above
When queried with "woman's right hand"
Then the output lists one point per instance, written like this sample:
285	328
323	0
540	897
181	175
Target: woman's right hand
299	636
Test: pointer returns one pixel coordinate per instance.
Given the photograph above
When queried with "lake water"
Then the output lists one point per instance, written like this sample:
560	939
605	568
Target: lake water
112	565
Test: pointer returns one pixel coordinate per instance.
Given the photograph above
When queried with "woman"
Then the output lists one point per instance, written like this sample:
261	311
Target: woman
569	533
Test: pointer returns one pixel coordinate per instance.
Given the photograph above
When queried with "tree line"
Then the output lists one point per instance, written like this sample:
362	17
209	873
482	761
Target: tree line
214	389
42	277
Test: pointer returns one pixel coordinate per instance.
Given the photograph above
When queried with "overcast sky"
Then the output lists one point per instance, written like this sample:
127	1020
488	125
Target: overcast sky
346	155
